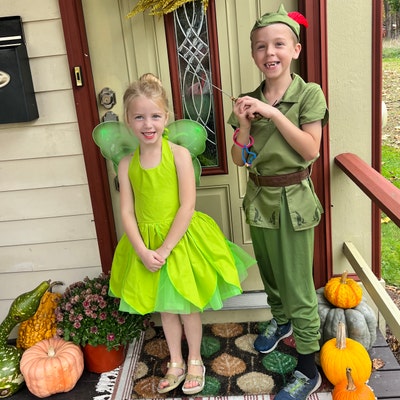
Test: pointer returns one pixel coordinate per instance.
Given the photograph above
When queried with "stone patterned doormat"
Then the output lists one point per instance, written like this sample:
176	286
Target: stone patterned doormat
234	370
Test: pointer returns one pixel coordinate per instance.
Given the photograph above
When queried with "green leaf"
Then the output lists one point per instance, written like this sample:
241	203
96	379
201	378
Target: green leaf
209	346
212	387
279	362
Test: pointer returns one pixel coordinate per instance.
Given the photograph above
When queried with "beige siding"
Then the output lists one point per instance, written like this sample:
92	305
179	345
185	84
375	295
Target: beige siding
350	122
46	221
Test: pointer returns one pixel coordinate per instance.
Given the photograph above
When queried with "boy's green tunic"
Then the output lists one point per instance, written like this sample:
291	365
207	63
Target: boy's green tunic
281	218
302	103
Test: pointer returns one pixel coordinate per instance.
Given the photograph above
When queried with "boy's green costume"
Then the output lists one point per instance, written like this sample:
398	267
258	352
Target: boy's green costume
282	216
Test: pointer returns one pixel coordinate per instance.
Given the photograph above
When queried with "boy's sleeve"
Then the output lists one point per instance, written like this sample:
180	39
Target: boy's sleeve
313	106
232	120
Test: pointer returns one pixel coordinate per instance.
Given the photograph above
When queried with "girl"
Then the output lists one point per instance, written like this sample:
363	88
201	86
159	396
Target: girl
171	259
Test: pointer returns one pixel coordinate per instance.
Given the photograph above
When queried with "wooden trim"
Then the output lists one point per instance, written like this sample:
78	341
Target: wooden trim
222	167
314	42
86	108
376	133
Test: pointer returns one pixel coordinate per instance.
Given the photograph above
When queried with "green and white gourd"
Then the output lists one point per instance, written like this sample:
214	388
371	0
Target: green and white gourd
22	308
360	321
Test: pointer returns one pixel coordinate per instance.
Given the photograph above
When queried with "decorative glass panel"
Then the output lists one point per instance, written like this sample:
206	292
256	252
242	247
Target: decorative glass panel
195	73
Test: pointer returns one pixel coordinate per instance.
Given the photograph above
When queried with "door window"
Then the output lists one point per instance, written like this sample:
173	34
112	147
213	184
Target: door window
195	76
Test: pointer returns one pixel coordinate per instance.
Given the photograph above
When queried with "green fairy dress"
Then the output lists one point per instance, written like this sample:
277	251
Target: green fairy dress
203	269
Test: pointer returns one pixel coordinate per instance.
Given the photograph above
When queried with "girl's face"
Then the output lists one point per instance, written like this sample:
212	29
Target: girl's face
273	48
147	119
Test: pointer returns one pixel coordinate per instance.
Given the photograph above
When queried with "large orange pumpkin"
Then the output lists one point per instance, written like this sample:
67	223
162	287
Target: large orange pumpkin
340	353
52	366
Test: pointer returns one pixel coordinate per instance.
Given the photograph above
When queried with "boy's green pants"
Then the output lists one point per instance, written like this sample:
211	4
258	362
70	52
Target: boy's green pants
285	261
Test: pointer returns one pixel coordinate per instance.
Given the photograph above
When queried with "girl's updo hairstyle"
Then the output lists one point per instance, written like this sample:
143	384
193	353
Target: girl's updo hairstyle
147	85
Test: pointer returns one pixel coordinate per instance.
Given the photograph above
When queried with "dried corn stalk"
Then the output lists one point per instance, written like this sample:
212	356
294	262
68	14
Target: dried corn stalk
160	7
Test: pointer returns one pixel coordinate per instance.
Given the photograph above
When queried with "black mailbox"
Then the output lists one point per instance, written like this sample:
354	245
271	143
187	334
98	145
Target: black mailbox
17	96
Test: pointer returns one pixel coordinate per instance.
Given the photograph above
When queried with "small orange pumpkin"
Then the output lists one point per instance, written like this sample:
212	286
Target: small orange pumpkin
340	353
52	366
348	390
343	292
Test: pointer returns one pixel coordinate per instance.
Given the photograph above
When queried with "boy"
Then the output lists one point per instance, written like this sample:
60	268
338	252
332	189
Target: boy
277	136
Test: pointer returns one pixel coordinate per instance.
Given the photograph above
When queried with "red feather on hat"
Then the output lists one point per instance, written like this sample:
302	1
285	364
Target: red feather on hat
299	18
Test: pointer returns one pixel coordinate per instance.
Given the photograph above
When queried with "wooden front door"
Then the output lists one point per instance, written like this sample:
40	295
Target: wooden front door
112	50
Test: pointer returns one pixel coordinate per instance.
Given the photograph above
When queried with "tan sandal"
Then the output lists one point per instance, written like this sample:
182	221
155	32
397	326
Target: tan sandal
200	379
173	380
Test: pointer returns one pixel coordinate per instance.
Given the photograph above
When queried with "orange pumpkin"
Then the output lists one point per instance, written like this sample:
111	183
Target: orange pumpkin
343	292
348	390
340	353
51	366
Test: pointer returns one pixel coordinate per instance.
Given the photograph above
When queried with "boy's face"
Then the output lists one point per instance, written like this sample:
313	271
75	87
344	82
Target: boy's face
273	48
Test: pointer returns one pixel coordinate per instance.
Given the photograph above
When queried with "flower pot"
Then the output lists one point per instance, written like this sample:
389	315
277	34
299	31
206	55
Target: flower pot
98	359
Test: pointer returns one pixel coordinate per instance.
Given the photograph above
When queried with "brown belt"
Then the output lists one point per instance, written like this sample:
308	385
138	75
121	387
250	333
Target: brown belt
280	180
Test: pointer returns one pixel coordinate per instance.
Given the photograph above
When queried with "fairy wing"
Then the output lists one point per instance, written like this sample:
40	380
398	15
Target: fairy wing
191	135
115	141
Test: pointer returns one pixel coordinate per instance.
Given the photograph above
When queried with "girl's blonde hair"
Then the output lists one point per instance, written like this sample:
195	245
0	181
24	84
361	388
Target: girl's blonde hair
147	85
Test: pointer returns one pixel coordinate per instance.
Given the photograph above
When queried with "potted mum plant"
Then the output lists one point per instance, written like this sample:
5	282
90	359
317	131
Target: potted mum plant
87	316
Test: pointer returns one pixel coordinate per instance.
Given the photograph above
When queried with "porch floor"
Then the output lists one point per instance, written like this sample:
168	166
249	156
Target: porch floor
385	381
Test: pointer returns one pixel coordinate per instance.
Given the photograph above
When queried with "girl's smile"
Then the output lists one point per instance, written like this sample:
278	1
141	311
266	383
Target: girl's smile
147	119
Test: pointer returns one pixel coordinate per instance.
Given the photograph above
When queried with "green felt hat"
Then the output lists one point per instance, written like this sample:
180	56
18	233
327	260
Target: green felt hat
292	20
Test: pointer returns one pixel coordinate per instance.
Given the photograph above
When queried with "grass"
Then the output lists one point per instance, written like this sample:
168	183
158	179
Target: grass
390	49
390	232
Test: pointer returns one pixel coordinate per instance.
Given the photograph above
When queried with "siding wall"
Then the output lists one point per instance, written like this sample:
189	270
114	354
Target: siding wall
46	221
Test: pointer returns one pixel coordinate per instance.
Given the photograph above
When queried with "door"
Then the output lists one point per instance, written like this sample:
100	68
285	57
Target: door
122	49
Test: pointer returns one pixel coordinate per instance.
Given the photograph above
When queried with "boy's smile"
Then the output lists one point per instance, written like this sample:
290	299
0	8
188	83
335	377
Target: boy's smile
273	49
272	64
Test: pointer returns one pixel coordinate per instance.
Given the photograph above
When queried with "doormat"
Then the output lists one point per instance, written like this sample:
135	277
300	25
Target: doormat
234	370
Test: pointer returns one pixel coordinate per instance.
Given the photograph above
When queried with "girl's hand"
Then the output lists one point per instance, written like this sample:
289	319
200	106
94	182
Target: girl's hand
152	260
163	252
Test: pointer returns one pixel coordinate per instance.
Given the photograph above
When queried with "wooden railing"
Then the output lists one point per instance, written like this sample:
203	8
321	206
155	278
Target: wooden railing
387	197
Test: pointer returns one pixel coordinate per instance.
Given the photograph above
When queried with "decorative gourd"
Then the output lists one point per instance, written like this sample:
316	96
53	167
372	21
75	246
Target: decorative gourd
340	353
52	366
348	390
43	324
22	308
360	321
343	292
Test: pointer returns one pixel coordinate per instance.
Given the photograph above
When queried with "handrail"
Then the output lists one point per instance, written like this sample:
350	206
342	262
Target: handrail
387	197
372	183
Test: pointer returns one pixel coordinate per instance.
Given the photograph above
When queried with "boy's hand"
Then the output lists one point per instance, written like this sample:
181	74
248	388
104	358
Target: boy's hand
241	113
251	108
